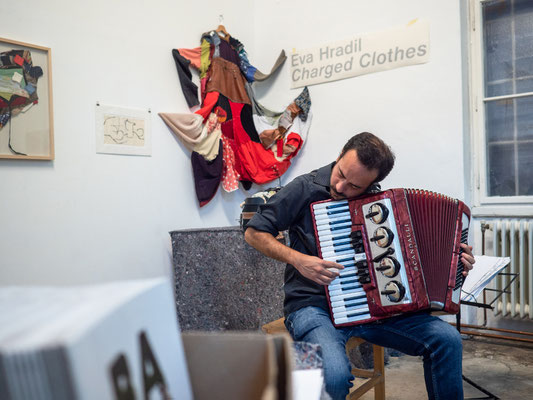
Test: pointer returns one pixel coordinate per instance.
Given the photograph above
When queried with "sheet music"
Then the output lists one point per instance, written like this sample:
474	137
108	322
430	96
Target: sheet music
485	269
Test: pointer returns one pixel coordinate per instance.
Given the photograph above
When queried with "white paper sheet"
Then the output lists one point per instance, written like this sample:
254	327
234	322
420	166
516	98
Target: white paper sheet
307	384
485	269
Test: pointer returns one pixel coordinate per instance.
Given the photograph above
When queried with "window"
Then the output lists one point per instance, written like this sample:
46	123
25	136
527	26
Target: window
502	88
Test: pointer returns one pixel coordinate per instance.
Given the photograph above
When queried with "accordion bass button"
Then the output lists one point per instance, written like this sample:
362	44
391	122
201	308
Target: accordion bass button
378	213
394	291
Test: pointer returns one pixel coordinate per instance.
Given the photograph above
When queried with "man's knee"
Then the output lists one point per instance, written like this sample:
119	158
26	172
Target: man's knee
449	340
455	342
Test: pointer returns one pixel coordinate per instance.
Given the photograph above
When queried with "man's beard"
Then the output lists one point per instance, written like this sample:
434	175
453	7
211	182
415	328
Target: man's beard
336	195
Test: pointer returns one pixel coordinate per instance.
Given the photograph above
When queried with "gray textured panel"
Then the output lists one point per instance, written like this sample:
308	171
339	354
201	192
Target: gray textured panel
222	283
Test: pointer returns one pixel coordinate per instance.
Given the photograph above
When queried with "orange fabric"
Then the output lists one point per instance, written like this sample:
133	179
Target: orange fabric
193	55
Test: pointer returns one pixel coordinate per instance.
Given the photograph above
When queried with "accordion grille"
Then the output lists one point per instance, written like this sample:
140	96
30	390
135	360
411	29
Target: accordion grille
434	218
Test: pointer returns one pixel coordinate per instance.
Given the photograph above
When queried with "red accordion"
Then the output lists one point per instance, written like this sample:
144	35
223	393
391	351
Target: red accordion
400	250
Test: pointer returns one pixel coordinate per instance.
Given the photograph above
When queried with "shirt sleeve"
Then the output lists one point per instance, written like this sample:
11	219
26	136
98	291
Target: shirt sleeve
282	209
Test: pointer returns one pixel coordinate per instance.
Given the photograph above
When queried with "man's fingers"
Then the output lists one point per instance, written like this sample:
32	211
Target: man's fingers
324	281
467	258
330	272
331	264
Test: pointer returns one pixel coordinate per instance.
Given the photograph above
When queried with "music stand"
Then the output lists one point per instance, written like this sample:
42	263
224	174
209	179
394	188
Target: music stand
485	306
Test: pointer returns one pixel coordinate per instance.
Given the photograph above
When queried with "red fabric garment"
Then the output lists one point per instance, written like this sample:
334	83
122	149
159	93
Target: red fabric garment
285	150
207	106
252	161
230	176
203	86
294	140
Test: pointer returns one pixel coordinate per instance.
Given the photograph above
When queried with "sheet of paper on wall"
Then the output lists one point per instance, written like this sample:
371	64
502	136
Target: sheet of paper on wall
485	269
307	384
106	341
122	130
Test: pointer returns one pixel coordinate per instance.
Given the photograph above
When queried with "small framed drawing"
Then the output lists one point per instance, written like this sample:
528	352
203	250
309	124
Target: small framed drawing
123	131
26	107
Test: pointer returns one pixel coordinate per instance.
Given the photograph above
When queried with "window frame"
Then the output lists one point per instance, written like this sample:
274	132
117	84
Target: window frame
483	204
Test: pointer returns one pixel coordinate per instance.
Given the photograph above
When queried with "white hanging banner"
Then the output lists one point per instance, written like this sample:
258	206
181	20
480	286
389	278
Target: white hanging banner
364	54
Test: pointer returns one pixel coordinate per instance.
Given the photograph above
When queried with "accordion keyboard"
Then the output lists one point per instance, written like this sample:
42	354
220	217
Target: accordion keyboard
348	299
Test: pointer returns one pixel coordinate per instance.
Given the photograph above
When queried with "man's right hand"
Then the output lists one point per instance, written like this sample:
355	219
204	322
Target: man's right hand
313	268
317	269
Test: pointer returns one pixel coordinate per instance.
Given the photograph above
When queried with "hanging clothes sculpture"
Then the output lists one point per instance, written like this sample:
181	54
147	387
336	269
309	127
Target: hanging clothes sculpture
232	137
18	86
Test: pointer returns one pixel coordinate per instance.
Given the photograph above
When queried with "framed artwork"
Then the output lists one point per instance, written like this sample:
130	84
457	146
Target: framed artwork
26	107
123	131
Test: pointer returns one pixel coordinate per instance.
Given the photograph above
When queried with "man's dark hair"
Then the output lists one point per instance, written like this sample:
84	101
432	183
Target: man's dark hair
373	153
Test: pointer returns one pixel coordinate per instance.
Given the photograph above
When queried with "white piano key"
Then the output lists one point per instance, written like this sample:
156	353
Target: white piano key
362	310
336	246
342	302
343	260
330	204
332	213
333	290
348	271
335	227
347	263
345	288
335	294
345	276
328	213
330	223
317	208
332	219
351	275
323	235
351	304
343	308
339	234
343	296
335	242
343	280
338	253
338	283
345	320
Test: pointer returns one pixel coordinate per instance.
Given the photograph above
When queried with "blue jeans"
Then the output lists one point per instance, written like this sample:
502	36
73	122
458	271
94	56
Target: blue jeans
418	334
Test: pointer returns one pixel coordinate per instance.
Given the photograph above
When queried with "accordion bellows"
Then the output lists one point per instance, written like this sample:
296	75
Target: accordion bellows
400	250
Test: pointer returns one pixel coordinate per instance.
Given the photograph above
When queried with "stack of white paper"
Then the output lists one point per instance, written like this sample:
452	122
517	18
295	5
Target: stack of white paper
485	269
91	342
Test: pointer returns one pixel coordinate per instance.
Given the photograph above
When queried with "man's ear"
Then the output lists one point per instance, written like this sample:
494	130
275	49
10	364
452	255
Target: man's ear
374	187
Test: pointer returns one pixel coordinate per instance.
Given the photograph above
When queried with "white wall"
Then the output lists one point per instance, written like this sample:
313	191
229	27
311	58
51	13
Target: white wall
90	217
416	109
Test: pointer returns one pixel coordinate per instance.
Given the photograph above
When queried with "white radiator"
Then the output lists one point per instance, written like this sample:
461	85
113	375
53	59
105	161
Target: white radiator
514	238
